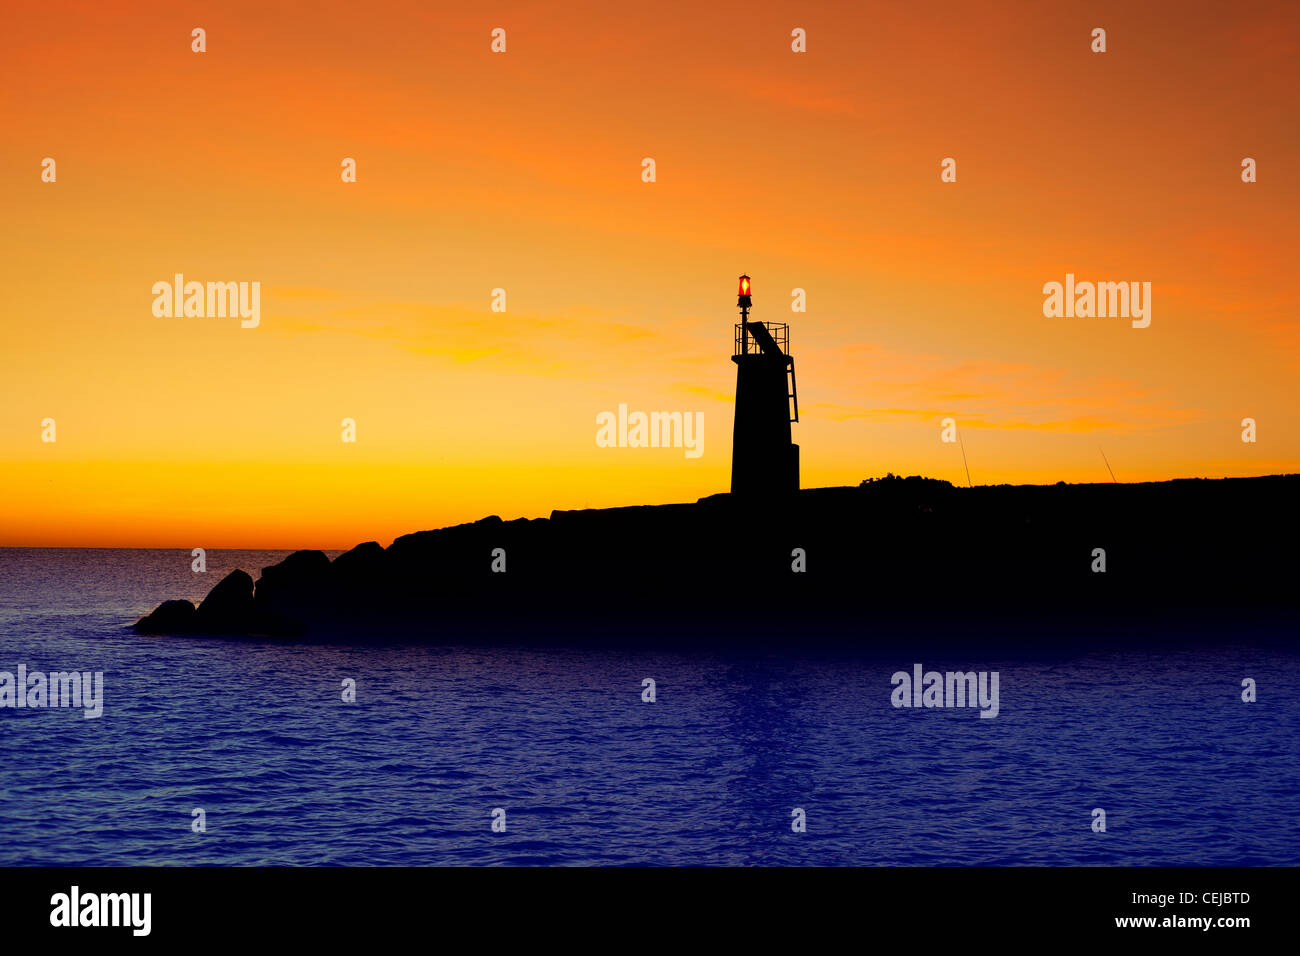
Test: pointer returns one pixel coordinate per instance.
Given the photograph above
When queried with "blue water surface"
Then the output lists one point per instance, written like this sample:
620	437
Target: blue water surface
255	732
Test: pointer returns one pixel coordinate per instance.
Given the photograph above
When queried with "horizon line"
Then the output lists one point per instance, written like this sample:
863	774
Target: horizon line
953	485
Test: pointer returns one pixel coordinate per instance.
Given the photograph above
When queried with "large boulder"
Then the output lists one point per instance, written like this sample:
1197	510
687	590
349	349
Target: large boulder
228	606
295	590
170	617
363	560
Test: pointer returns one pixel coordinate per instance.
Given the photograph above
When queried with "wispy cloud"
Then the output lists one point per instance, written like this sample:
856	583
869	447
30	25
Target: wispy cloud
996	394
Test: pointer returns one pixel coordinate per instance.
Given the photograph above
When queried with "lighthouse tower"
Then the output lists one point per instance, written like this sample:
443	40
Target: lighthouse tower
764	461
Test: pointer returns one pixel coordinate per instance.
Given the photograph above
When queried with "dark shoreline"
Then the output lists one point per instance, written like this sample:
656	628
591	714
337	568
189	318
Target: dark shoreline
1187	559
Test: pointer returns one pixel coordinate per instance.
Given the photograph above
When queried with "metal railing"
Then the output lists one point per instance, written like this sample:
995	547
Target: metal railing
745	344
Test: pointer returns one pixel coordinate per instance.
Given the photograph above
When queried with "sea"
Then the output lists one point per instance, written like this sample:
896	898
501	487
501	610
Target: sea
238	751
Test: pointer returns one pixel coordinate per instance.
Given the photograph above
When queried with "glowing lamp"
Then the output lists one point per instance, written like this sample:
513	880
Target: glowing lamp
744	300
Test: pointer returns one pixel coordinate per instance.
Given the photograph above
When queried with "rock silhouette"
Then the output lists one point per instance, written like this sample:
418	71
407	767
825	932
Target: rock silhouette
229	605
898	552
170	617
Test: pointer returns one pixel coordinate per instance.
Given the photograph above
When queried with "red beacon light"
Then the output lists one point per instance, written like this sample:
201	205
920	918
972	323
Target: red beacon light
744	300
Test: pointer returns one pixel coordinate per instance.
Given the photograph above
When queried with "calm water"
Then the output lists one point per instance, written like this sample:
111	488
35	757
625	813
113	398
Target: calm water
255	733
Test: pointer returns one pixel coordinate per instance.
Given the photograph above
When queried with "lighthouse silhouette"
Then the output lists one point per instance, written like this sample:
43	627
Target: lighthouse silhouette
764	460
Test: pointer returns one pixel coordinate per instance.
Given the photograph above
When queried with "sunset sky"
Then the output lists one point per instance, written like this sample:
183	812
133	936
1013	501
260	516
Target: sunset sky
522	171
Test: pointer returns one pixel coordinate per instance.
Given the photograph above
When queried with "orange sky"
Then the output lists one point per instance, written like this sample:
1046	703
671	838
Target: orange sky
523	171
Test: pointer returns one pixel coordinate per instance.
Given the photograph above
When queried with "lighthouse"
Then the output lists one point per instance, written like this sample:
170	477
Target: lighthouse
764	459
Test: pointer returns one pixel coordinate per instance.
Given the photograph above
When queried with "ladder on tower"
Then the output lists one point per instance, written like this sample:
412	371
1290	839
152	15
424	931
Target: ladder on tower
773	346
793	396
